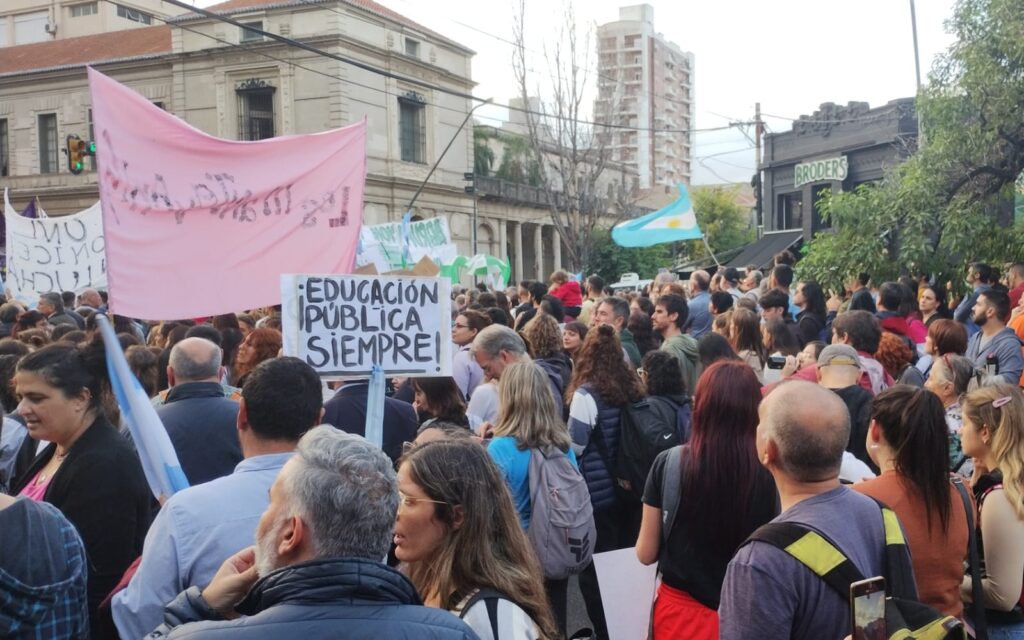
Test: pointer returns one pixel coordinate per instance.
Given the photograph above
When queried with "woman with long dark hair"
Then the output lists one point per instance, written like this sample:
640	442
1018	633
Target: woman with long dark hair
810	322
931	303
439	399
907	440
457	533
602	384
724	495
779	341
573	335
643	332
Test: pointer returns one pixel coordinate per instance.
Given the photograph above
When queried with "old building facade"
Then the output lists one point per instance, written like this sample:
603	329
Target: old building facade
234	82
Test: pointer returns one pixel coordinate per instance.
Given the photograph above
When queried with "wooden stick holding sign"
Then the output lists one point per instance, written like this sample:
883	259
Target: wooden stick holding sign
368	326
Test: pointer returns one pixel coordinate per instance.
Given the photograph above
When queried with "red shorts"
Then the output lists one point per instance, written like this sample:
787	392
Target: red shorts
678	615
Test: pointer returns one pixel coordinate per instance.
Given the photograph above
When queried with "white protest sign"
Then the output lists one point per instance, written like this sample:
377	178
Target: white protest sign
63	253
343	325
381	244
627	593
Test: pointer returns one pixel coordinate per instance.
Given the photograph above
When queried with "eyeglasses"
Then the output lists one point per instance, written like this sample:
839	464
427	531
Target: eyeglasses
460	326
410	501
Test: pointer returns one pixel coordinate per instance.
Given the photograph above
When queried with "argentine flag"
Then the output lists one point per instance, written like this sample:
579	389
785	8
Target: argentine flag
159	461
675	222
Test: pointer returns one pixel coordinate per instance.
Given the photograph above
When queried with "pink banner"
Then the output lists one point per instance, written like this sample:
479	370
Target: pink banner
197	225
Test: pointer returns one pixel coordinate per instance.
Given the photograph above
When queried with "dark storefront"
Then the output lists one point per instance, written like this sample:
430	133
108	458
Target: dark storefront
835	149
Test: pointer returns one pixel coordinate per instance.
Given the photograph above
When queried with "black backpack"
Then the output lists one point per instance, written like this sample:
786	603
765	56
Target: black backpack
646	428
905	617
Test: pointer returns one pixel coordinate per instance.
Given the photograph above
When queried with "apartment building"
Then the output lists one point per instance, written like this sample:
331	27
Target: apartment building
646	81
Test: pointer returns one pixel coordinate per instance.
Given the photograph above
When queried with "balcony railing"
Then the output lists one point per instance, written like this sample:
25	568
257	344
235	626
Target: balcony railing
489	187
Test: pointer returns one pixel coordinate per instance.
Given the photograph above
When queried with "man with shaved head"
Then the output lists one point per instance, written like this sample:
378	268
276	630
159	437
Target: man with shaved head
197	416
768	593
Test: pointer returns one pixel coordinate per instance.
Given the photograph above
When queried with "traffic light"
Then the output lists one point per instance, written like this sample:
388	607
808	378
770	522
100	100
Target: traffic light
77	150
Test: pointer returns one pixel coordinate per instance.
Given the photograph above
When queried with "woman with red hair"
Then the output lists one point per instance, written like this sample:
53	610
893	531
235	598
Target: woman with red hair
262	344
724	494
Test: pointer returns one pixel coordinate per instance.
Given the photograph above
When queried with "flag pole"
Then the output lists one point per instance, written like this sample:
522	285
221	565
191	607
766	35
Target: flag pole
704	238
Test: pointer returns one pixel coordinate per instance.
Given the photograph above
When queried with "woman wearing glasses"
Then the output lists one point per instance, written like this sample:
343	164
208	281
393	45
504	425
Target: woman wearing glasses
461	544
465	370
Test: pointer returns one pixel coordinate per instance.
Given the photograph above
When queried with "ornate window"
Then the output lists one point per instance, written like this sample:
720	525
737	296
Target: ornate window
412	127
48	143
255	109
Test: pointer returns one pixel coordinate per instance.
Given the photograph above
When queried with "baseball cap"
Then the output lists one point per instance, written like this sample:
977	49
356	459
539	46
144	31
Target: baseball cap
839	354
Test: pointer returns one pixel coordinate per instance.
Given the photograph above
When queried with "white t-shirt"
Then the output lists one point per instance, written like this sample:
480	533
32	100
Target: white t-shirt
511	621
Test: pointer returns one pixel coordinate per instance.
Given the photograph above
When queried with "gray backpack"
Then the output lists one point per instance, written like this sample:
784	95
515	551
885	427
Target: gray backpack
562	521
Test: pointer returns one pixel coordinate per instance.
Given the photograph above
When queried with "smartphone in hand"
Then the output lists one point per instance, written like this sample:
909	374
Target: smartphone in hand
867	609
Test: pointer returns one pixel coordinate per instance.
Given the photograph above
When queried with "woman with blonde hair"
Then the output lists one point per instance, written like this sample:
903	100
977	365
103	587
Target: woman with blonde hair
462	546
993	434
528	420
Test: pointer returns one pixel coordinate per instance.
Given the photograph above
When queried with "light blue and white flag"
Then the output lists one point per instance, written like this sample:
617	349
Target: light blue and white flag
159	461
670	224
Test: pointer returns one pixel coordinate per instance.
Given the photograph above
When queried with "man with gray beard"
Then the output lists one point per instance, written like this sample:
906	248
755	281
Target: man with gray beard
316	569
198	528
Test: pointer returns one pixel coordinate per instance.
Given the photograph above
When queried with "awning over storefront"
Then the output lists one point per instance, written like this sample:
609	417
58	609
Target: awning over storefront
760	252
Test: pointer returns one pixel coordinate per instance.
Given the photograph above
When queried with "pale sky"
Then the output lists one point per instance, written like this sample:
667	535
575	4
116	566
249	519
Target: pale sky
791	55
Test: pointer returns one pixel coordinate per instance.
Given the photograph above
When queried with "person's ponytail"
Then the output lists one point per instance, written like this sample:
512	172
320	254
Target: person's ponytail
914	423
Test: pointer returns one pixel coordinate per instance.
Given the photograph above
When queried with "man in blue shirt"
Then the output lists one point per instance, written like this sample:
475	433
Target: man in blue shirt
700	315
200	527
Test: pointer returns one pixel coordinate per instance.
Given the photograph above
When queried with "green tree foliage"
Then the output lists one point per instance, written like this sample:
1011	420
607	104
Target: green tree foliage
610	261
724	222
951	202
483	154
517	163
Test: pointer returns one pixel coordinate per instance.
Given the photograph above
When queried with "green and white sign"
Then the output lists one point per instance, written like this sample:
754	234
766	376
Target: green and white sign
820	170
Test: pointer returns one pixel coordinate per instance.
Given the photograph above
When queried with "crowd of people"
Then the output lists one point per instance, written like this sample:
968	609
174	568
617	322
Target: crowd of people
685	420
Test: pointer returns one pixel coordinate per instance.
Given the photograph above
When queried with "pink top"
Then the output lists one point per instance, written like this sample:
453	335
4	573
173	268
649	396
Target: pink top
35	490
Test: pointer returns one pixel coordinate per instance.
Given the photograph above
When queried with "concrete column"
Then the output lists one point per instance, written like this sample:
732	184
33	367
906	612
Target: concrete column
501	251
556	243
517	250
538	253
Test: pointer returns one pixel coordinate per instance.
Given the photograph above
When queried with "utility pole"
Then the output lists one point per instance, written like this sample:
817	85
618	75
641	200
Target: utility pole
917	57
758	187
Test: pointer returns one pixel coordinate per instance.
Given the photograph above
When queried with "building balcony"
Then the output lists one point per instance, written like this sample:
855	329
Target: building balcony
498	189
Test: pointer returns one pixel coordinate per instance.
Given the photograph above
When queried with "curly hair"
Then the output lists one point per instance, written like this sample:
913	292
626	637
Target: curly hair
600	364
542	336
266	342
893	353
643	332
664	374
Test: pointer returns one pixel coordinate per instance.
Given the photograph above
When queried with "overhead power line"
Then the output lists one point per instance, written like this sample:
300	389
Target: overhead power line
386	73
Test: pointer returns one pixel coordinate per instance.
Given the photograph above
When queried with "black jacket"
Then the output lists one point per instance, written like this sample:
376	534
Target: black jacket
858	403
347	411
202	425
101	489
347	598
